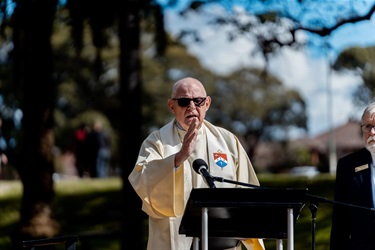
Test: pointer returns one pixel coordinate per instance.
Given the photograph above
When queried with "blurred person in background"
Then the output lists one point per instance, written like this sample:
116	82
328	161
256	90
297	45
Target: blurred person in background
80	149
3	148
99	150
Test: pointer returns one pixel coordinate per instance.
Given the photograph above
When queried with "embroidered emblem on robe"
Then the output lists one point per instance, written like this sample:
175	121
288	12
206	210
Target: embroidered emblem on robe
221	159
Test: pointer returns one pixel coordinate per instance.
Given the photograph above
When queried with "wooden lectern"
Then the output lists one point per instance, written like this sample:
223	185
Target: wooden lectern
221	217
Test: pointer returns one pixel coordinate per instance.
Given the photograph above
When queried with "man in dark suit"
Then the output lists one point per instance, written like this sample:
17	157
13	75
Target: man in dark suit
353	227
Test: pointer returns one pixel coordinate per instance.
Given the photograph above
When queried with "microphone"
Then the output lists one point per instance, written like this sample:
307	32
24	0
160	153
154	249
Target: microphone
200	166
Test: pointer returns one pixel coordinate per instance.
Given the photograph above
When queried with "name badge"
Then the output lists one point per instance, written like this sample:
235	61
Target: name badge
360	168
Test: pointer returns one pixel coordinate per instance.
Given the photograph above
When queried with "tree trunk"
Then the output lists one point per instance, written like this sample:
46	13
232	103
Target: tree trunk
33	75
131	121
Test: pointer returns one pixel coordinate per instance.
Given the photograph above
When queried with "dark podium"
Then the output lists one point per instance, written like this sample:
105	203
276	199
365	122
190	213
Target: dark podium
220	217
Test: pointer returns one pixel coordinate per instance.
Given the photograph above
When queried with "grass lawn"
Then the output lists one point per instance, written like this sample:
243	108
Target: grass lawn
94	205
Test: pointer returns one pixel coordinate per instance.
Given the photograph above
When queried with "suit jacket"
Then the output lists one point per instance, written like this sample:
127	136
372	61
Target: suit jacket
353	228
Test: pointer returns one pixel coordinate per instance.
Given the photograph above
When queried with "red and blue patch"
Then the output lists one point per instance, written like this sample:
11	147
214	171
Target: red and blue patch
221	159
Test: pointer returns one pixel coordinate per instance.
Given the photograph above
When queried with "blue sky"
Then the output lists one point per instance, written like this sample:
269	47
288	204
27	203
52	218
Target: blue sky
359	34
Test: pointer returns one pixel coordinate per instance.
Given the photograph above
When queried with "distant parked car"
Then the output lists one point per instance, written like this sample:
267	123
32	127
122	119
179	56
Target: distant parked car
308	171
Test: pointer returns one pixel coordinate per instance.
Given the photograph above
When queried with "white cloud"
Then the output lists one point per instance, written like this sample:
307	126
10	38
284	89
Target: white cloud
313	80
215	52
217	56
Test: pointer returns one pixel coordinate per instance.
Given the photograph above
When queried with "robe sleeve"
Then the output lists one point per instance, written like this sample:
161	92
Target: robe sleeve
156	181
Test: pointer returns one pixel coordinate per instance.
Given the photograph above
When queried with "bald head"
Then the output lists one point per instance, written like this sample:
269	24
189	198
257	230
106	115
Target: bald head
190	83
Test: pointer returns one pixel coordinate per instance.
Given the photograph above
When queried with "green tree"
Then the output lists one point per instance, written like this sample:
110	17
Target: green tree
264	108
362	62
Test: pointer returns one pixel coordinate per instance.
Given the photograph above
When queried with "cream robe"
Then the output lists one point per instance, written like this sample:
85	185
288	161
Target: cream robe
165	191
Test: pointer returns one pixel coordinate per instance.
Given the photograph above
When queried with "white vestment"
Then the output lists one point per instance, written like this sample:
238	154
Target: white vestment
165	190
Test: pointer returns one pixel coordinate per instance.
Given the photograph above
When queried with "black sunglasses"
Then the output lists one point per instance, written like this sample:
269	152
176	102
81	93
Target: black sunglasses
184	102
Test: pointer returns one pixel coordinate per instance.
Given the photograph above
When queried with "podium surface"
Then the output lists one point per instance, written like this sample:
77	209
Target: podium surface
238	213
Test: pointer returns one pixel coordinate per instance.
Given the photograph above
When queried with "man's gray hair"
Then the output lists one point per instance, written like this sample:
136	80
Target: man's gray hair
370	109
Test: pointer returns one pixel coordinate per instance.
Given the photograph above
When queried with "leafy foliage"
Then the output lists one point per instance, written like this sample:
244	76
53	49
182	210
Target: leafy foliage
274	24
361	61
264	108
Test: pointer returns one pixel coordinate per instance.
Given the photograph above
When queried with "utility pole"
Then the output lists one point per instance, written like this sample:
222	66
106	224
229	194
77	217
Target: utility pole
331	137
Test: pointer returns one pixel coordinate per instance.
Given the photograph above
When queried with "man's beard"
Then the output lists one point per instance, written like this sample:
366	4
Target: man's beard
371	147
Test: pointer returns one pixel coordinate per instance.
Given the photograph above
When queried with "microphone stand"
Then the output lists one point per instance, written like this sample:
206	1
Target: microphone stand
220	179
314	203
313	209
